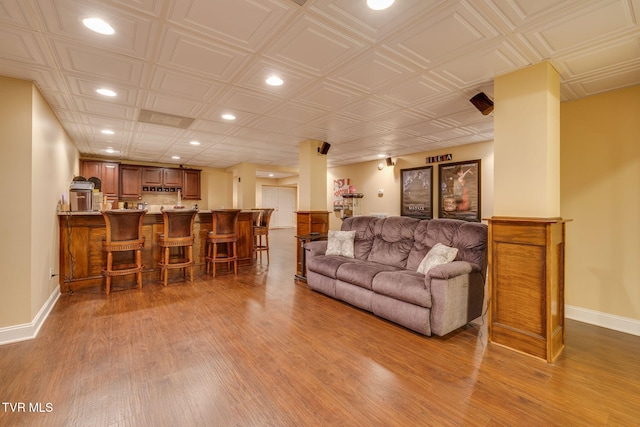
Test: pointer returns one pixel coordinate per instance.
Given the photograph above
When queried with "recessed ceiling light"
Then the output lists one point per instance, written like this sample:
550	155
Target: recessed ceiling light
98	25
274	81
228	116
175	157
194	142
110	150
106	92
382	155
271	175
107	131
379	4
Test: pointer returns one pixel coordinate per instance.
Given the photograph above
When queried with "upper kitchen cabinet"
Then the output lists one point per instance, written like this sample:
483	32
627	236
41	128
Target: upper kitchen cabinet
172	177
163	177
107	172
191	184
130	182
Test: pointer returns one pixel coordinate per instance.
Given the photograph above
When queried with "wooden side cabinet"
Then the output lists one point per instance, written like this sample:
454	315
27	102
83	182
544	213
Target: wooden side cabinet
309	222
526	285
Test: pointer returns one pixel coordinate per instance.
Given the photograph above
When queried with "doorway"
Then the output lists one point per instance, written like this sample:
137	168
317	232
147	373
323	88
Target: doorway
283	200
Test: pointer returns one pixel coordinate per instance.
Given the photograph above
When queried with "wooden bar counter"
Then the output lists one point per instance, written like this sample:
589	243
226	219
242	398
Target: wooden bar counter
82	259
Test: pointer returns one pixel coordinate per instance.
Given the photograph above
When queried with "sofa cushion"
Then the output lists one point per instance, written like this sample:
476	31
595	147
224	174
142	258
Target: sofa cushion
427	234
363	226
340	243
404	285
361	273
326	265
437	255
393	240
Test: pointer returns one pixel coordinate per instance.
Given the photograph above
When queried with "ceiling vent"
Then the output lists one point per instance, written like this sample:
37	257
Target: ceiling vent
163	119
299	2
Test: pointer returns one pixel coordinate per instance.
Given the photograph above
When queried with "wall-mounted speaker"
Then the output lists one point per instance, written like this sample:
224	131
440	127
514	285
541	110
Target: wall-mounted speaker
324	149
390	161
483	103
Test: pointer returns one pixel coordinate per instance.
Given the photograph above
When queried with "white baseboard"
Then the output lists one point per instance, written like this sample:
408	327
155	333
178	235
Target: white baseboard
605	320
29	331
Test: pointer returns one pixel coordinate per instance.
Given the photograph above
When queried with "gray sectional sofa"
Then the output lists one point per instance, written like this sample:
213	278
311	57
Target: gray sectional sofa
382	276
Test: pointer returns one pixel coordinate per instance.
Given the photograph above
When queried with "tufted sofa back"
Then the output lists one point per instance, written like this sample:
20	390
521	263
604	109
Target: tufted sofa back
403	241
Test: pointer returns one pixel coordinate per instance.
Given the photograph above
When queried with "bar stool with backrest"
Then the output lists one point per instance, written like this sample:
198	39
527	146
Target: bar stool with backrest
223	231
177	233
124	233
260	231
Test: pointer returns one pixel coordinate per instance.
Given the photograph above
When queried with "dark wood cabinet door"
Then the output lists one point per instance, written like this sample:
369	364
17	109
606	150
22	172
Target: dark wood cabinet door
107	172
130	182
151	176
110	179
191	185
172	177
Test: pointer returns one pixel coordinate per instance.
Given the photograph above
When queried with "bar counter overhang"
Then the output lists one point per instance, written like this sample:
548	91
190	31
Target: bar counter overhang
82	258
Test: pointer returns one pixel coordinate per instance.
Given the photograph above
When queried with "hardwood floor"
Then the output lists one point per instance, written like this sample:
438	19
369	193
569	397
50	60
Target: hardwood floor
260	349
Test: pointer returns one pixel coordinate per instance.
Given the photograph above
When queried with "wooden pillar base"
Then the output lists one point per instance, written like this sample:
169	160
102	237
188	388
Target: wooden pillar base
526	285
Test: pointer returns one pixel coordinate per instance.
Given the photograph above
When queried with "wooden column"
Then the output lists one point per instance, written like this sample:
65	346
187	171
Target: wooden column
526	285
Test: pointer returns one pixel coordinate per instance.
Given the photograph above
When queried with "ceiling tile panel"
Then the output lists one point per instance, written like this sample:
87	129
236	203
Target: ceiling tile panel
356	16
22	47
584	26
183	85
257	72
183	52
63	18
313	46
627	51
464	29
327	96
480	67
414	91
371	72
245	100
243	23
99	63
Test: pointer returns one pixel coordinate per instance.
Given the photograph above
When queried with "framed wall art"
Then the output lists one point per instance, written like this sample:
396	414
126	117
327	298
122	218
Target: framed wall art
459	190
416	193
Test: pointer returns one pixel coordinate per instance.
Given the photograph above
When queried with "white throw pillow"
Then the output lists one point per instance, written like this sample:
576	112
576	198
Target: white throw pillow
340	243
437	255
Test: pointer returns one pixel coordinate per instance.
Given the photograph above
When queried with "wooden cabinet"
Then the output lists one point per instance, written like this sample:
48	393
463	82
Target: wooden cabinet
191	184
151	176
130	182
172	177
107	172
309	222
526	285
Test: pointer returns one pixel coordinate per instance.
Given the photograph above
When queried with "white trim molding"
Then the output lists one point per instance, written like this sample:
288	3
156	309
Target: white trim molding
605	320
28	331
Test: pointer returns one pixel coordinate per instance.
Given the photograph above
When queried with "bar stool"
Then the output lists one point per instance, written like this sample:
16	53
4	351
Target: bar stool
260	231
124	233
177	233
224	231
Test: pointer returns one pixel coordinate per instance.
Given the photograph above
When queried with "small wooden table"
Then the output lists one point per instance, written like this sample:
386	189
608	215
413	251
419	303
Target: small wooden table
304	238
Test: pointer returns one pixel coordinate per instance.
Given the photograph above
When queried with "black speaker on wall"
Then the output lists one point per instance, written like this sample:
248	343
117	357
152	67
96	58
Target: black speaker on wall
483	103
390	161
324	149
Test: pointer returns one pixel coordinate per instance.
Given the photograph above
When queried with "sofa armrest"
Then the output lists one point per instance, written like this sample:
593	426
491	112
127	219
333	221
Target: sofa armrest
451	270
455	301
315	248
